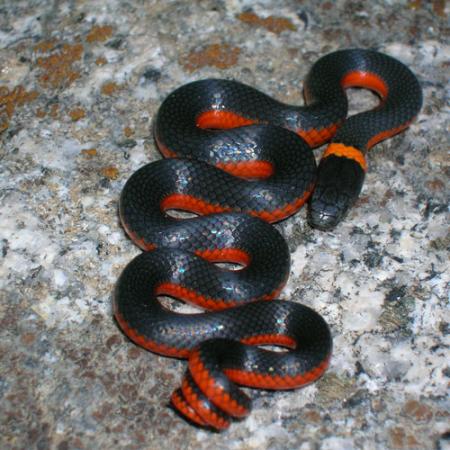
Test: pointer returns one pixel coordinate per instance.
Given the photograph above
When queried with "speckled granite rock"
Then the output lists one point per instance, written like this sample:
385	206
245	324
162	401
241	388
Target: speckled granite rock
79	85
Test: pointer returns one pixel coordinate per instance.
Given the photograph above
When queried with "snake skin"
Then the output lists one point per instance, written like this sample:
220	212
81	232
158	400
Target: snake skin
217	342
339	181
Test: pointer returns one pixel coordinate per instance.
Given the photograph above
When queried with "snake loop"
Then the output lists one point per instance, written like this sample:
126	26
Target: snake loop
234	156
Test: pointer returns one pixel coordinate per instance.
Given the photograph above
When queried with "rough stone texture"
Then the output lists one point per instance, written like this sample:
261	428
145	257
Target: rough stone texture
79	85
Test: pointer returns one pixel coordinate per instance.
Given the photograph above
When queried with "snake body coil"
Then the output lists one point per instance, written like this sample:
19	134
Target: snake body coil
256	167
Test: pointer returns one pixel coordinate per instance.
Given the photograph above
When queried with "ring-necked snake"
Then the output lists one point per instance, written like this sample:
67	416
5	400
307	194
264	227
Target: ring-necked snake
233	156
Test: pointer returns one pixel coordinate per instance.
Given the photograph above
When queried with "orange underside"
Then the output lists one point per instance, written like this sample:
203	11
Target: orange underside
386	134
374	83
222	399
192	204
242	169
205	413
276	382
248	169
317	137
250	379
215	392
226	119
211	304
148	344
314	137
270	339
141	243
367	80
192	297
222	120
184	408
166	152
225	255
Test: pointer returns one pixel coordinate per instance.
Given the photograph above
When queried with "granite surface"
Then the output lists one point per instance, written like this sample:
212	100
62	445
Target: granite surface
80	82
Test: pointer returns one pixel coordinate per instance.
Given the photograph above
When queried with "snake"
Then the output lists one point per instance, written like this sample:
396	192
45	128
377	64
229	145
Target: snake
239	160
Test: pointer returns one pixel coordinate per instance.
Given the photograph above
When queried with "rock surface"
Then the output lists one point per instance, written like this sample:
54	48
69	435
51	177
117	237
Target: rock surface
79	85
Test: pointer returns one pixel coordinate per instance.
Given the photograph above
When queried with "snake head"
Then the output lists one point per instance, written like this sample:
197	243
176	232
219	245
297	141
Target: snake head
339	182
